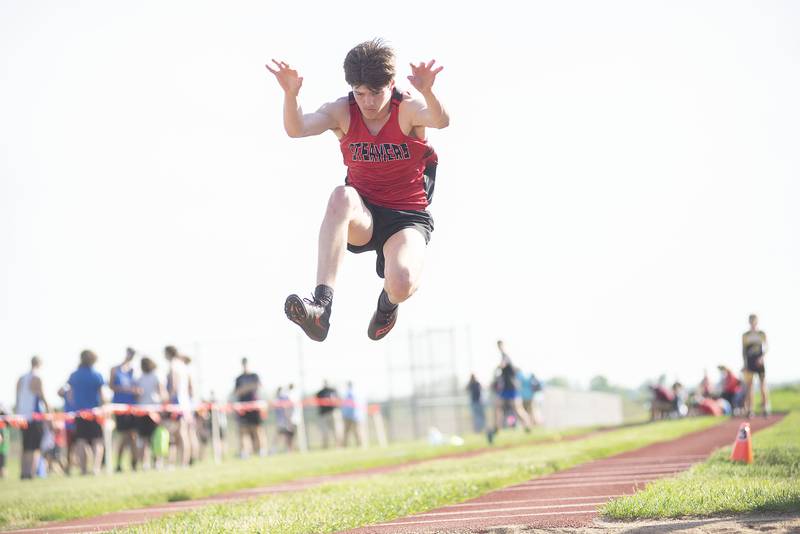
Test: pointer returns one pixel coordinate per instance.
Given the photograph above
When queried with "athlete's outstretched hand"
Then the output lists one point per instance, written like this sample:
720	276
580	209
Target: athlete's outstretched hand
287	77
423	75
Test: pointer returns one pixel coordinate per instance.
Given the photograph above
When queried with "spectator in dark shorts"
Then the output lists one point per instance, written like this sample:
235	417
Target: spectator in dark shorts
251	427
754	348
327	398
126	392
4	437
87	394
151	393
30	401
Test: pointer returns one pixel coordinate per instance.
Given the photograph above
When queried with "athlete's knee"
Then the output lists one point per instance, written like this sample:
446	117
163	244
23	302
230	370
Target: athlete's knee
343	201
400	284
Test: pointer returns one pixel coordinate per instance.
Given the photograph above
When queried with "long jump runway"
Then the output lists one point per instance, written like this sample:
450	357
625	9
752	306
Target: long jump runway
571	498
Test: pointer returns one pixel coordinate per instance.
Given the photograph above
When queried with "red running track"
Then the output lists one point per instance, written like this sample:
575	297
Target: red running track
570	498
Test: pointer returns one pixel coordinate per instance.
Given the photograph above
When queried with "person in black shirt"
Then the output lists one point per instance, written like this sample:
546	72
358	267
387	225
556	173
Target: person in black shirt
250	420
476	404
327	398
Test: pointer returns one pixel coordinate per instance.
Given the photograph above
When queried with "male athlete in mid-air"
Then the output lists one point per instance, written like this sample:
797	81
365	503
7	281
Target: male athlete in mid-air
391	170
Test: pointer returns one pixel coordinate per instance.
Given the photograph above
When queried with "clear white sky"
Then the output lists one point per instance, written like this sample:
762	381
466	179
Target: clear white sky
618	188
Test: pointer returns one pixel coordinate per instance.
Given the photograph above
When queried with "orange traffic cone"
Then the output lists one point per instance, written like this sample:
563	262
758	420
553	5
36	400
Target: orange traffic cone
743	446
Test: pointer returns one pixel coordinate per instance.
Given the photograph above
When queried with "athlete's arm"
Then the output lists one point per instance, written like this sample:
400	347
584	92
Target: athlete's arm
36	387
295	122
431	114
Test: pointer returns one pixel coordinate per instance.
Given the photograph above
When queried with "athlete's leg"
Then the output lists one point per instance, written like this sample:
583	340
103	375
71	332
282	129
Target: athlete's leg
764	398
519	410
405	258
748	398
404	254
347	220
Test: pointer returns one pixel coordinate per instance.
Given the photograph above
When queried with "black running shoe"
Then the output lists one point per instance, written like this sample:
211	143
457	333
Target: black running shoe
311	315
382	323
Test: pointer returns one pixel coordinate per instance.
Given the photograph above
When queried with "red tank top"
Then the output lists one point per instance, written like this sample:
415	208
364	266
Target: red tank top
390	169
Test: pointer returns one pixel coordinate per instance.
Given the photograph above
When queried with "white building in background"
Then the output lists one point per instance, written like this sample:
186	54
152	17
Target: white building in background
562	408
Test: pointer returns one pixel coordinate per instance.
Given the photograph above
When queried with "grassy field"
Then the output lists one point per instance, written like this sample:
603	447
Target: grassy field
718	486
337	506
31	502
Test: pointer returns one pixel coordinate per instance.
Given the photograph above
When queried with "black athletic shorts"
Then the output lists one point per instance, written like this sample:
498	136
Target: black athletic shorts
252	418
385	223
87	429
32	436
2	460
125	422
755	366
145	426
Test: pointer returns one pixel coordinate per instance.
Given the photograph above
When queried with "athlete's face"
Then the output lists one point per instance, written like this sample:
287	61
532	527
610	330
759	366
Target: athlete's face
373	103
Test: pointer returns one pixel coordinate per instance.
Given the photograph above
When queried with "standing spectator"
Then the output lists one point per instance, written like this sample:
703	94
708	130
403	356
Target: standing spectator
476	404
296	413
730	388
679	395
353	415
327	398
754	348
69	427
87	394
529	386
191	422
179	389
222	424
125	392
510	401
251	428
4	437
283	418
152	392
705	385
30	401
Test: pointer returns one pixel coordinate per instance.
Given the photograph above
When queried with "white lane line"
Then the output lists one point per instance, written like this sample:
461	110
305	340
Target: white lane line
651	459
610	475
475	514
610	478
560	486
520	501
507	516
633	470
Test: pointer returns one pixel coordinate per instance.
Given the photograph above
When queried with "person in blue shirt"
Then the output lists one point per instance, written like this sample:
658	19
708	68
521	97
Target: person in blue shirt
87	394
126	391
528	387
353	415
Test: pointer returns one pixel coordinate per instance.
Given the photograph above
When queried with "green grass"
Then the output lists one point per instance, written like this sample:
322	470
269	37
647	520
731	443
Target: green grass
718	486
24	504
348	504
786	399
